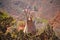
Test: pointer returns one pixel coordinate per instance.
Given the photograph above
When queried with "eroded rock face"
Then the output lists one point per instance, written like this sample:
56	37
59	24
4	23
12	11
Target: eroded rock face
55	22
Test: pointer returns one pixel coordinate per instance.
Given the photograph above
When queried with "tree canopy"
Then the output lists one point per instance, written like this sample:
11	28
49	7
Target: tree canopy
5	21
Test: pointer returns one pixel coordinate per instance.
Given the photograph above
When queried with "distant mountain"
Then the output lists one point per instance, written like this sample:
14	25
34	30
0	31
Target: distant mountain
46	8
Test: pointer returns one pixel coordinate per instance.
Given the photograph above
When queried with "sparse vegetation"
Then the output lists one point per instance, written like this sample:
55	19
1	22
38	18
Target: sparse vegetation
6	21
